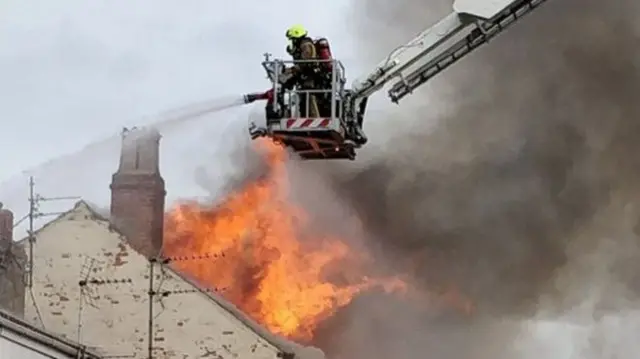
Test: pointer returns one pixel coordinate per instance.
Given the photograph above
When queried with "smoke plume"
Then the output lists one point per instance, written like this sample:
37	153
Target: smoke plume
514	183
524	194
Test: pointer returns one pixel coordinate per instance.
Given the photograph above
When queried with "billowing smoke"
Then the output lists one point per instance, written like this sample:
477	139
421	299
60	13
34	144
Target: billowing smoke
525	193
518	186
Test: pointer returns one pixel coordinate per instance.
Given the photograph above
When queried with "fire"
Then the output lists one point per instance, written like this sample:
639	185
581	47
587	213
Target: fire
262	262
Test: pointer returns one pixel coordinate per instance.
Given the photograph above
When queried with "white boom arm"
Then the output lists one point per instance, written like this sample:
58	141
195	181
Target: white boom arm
471	24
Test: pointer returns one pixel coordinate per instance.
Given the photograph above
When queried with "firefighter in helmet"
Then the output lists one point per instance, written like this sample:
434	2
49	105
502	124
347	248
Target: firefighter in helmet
306	75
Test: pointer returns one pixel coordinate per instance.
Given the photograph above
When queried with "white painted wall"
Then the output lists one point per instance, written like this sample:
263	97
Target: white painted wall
114	317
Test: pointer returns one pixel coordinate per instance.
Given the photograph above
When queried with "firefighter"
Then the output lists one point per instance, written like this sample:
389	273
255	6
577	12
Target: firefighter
305	75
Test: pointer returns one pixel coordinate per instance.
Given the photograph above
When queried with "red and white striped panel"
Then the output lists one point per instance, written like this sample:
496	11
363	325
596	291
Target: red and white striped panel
302	123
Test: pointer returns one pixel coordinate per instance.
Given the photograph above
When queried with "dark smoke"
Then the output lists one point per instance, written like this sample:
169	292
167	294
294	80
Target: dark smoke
524	194
564	85
537	163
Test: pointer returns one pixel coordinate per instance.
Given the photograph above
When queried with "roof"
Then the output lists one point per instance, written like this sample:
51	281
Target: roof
288	348
99	212
23	329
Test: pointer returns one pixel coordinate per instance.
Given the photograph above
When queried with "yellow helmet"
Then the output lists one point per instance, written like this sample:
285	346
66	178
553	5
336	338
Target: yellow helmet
296	32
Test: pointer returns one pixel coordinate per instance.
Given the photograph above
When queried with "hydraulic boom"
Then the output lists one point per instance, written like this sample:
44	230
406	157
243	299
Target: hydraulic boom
471	24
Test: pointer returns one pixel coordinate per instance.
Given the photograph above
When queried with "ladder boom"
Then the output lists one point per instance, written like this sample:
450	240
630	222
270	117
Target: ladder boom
478	35
405	56
471	24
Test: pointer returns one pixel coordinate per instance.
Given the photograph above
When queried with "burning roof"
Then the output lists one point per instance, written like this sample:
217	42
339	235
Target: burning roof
264	261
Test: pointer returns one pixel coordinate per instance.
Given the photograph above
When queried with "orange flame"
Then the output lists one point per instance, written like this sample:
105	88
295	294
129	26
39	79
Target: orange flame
264	265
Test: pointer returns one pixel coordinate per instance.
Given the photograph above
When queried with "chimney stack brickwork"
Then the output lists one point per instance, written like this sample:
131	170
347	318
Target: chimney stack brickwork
12	263
138	192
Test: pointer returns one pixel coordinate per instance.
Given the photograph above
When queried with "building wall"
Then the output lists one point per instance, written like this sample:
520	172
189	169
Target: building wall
113	317
12	279
12	264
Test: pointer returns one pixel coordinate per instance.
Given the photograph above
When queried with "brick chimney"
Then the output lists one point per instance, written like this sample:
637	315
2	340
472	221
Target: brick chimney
6	224
138	191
